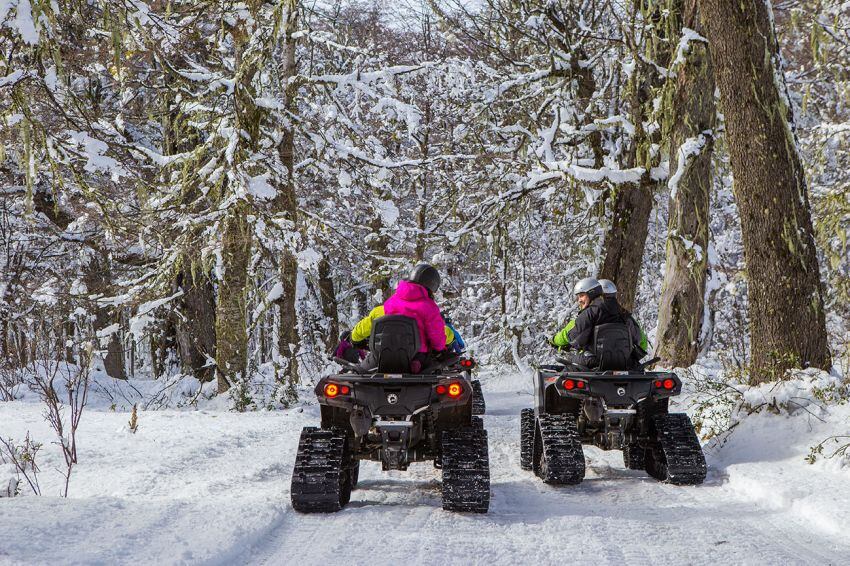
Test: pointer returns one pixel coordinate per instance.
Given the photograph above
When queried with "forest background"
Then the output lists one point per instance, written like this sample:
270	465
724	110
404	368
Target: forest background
207	193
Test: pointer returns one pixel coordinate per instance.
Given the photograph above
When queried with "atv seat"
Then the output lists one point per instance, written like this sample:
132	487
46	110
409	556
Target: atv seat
613	346
394	343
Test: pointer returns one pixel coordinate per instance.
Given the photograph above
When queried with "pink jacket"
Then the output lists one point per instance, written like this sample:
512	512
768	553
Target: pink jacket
411	299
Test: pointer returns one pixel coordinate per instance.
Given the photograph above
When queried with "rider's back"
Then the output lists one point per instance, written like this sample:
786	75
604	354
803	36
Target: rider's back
412	300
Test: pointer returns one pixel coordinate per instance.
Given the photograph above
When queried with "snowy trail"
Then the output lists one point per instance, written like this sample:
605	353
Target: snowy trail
614	516
212	487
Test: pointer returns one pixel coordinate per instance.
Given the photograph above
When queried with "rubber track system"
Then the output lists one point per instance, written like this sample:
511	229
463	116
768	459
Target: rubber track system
478	405
526	439
320	480
466	470
354	473
478	423
634	457
677	458
559	457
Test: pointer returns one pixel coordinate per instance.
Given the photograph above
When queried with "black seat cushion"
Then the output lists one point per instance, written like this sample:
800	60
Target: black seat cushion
394	343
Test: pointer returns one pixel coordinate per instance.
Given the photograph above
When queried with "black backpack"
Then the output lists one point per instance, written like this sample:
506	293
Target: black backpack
394	343
613	346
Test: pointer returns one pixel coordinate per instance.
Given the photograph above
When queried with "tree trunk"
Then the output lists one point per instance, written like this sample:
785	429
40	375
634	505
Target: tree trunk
786	311
193	322
98	282
195	327
422	214
626	238
231	321
378	243
329	304
680	311
287	204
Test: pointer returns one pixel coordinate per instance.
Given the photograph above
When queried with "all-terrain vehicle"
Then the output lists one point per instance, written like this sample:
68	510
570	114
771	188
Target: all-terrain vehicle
391	415
613	409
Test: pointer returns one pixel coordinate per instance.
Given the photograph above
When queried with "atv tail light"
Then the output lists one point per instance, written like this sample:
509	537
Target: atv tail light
580	384
569	384
669	384
335	389
658	384
467	363
453	389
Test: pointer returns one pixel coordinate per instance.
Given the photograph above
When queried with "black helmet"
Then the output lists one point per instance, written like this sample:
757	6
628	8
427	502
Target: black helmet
426	275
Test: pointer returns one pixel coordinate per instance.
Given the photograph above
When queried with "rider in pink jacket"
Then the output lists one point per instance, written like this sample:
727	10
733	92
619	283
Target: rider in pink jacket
415	299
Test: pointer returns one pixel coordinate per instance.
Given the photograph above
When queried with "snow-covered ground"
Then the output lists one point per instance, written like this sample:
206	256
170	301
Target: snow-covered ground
212	487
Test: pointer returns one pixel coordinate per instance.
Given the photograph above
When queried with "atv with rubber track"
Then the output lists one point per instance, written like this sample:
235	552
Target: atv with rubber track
612	409
388	414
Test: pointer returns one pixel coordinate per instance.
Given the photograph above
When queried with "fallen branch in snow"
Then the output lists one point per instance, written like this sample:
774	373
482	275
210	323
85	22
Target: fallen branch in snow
842	451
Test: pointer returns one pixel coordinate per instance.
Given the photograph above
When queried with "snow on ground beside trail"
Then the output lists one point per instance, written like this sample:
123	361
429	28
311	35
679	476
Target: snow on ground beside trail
211	486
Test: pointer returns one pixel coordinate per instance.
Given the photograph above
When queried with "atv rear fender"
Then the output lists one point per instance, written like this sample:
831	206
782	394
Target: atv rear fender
616	388
394	395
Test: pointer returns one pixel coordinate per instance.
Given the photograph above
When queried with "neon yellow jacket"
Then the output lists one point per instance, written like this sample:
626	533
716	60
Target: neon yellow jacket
363	329
561	340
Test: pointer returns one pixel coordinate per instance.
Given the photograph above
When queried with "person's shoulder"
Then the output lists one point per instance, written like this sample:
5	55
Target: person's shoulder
434	309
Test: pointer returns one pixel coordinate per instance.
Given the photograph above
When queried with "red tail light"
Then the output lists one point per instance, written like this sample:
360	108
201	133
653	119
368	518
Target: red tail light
658	383
669	384
336	389
441	389
455	389
580	384
569	384
467	363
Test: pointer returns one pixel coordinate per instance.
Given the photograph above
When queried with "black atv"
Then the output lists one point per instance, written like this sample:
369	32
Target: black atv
612	408
388	414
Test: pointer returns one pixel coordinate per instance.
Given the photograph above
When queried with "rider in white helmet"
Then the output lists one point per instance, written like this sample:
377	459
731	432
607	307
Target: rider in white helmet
585	291
608	288
596	309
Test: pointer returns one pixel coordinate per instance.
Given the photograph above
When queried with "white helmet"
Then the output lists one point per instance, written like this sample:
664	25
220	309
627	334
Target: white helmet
588	285
608	287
